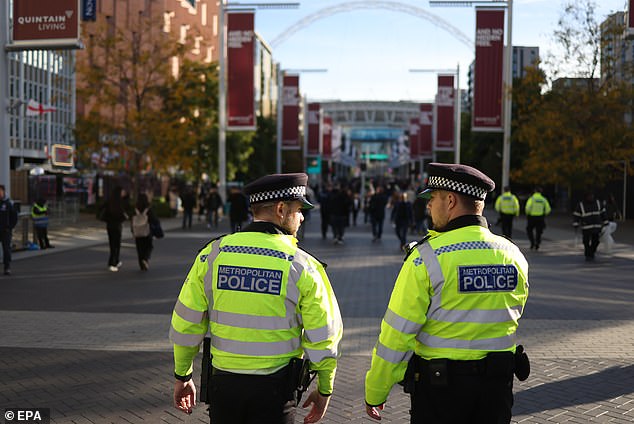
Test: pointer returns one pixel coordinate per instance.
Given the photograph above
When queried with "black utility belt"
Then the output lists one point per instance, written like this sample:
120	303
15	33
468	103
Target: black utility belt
279	374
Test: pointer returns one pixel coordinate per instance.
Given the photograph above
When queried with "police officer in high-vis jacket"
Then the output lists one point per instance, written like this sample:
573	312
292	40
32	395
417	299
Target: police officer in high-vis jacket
453	312
264	301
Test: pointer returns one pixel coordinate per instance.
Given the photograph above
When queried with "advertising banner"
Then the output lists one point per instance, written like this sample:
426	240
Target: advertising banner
45	24
414	138
426	130
445	114
489	64
630	16
326	134
240	71
290	112
312	116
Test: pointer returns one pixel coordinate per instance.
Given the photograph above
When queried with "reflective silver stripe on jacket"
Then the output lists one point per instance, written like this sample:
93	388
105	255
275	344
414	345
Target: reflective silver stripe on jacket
390	355
319	355
189	314
324	333
256	322
209	276
437	313
183	339
496	343
401	324
255	348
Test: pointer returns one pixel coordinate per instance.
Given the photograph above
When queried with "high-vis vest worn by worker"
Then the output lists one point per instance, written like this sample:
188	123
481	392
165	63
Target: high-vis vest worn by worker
507	204
264	301
39	214
459	295
537	205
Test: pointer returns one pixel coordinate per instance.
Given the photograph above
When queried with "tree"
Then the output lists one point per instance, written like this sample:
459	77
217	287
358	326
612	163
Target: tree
572	132
121	77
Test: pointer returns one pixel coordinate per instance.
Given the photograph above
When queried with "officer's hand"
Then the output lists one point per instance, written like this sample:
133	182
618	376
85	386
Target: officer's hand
374	412
184	395
320	404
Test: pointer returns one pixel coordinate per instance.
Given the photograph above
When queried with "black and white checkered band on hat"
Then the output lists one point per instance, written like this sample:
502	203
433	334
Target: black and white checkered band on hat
442	183
283	194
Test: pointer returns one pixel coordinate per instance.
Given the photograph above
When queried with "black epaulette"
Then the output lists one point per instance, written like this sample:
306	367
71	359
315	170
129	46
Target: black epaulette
412	246
209	242
324	264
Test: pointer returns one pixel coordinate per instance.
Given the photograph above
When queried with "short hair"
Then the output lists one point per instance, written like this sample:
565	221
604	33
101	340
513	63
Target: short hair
470	203
258	208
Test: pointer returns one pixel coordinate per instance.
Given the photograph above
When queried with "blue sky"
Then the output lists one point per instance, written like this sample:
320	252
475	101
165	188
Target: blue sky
368	52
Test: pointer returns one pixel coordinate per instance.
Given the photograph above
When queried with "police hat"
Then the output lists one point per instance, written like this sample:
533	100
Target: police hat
279	187
461	179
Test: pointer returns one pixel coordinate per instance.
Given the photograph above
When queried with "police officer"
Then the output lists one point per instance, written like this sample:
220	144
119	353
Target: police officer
508	206
591	217
264	301
39	214
453	312
536	209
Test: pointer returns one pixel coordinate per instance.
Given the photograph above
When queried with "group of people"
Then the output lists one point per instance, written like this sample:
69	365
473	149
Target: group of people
269	305
144	225
339	206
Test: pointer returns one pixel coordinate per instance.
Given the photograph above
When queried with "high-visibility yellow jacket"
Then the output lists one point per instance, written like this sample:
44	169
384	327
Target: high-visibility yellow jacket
507	204
459	295
39	214
264	301
537	205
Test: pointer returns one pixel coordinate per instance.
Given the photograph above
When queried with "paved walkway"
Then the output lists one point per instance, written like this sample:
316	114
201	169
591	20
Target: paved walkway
114	367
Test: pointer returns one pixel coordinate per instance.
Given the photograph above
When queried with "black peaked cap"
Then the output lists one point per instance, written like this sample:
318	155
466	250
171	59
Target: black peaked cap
278	187
462	179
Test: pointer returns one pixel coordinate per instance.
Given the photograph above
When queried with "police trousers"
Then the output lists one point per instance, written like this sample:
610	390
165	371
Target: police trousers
251	399
458	392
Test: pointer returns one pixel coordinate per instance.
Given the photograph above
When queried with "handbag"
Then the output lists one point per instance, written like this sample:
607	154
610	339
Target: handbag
156	230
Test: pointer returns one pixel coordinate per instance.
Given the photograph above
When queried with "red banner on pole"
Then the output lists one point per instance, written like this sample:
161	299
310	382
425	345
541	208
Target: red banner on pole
326	134
425	132
312	147
630	17
489	63
414	138
290	112
240	71
445	113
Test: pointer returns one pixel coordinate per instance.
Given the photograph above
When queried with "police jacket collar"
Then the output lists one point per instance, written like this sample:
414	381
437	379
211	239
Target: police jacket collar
265	227
466	221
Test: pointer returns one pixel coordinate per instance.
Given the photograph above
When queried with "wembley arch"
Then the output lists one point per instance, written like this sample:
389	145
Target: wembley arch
372	4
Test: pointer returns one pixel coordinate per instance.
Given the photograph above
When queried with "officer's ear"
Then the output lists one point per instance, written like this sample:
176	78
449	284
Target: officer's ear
452	200
280	209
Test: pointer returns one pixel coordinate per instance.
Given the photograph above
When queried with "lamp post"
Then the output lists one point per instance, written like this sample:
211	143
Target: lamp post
5	148
222	81
457	104
508	75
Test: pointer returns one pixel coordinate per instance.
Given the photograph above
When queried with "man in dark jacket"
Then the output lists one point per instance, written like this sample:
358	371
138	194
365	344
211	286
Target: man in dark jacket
8	221
339	206
590	216
378	201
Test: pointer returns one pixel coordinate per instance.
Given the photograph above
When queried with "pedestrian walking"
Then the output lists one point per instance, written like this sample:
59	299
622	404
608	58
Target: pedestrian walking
214	203
536	209
141	226
339	206
238	209
376	208
188	201
266	302
324	197
449	330
172	195
420	215
508	206
591	217
39	215
8	221
356	207
402	218
114	213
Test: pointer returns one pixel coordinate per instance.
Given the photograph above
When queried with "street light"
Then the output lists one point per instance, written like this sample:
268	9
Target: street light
222	95
280	108
458	104
508	75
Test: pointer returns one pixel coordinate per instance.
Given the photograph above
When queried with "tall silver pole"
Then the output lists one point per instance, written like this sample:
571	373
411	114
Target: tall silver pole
222	104
625	163
280	109
5	150
458	115
508	85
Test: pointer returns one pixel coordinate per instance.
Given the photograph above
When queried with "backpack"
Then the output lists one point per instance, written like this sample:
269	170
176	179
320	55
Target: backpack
140	224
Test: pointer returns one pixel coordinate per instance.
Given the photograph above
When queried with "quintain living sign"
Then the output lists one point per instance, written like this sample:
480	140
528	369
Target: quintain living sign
45	24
